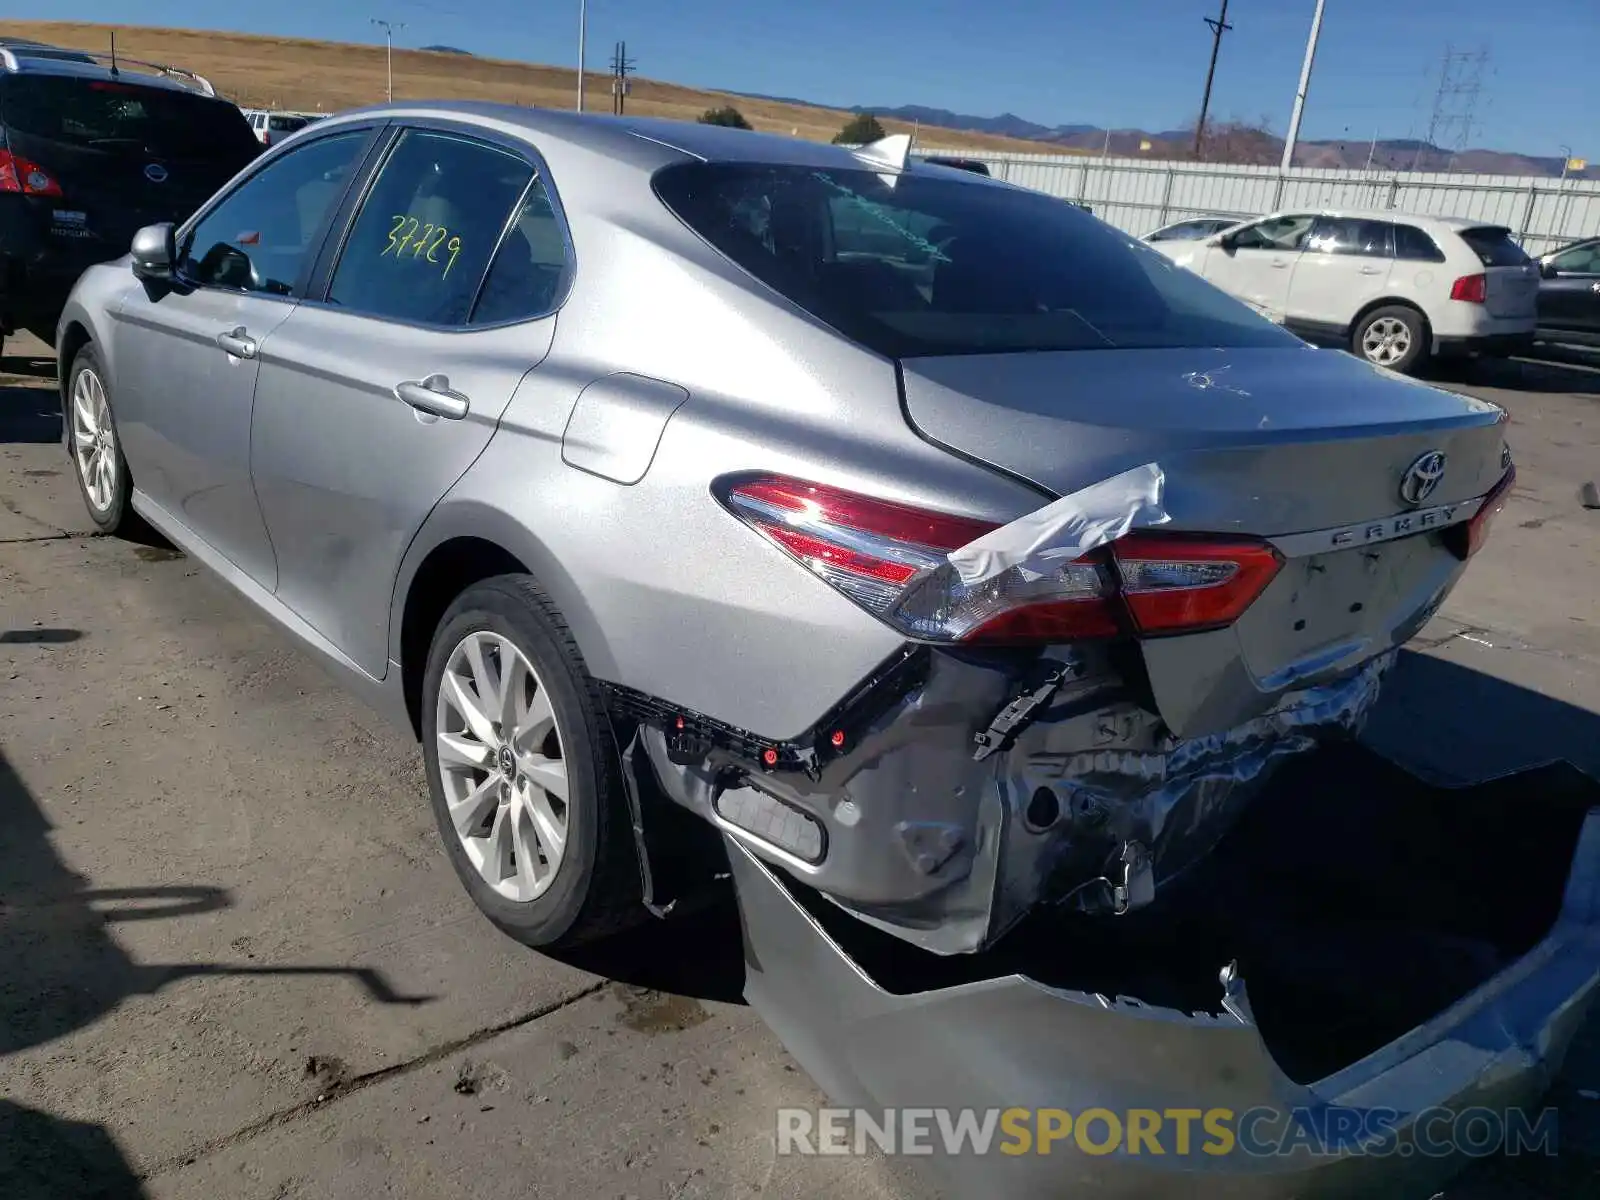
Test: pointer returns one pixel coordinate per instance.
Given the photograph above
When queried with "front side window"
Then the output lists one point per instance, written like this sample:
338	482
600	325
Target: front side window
1276	233
418	250
931	266
1350	235
260	236
1580	260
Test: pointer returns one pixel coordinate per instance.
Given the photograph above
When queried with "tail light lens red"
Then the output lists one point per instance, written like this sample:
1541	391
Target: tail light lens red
18	174
1474	289
891	559
1467	539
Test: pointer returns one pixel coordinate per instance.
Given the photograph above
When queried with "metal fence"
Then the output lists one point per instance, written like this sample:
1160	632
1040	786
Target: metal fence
1137	195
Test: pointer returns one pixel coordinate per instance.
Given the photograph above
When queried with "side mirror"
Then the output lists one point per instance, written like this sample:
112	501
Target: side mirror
1547	269
153	252
1228	241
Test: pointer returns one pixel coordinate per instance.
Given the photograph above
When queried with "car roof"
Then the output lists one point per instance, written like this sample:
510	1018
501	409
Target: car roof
1423	220
647	141
19	57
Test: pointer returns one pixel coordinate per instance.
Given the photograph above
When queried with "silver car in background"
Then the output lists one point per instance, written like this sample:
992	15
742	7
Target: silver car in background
952	556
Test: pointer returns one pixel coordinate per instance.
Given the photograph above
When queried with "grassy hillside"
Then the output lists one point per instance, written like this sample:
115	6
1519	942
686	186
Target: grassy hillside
298	73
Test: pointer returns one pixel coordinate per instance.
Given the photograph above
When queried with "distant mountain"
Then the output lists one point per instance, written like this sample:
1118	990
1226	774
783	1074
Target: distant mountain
448	50
1236	143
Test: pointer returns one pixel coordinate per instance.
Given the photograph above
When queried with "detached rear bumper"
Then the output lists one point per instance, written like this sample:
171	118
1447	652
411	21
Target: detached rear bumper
878	1030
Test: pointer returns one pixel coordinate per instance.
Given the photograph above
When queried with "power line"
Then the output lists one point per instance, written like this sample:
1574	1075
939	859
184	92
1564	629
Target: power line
1455	103
1219	25
621	67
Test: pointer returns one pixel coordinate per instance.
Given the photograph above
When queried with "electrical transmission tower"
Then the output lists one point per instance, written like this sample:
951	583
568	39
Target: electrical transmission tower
1455	103
621	67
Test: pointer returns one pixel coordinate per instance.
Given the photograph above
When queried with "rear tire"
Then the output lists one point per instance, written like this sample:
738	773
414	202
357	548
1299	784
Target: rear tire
96	450
549	870
1394	336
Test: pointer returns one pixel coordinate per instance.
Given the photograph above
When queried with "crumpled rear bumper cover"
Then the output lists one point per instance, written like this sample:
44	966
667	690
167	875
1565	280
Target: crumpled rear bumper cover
1012	1041
1093	802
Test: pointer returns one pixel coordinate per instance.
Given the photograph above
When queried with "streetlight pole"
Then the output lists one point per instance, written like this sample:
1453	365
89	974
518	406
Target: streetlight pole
388	28
583	31
1305	84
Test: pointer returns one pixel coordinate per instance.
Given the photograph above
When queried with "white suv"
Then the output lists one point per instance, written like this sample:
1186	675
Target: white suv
272	127
1393	287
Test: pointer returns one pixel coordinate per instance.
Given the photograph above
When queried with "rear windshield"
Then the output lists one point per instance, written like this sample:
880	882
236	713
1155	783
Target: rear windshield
1494	247
105	115
925	266
286	124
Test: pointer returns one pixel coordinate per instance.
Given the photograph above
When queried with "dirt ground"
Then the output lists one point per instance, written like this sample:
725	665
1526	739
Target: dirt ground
234	962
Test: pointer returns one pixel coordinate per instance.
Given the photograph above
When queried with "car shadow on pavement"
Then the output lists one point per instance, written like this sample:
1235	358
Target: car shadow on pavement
698	954
29	415
61	970
1527	375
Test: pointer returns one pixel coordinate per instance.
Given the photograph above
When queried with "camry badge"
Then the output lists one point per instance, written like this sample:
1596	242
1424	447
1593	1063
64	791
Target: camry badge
1421	477
155	173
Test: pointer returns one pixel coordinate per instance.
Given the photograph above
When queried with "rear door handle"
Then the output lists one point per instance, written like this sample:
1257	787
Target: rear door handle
1370	271
238	343
433	395
1280	263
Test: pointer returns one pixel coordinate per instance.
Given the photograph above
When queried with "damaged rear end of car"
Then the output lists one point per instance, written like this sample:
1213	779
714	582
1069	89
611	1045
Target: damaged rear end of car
1020	861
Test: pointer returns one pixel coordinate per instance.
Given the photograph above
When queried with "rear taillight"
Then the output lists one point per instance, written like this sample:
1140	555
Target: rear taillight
1467	539
1474	289
18	174
892	560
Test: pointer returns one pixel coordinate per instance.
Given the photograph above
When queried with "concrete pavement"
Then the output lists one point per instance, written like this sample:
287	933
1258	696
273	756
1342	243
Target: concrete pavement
236	965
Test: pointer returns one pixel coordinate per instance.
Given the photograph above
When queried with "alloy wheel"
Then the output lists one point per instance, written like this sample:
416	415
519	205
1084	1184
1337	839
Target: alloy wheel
1386	341
94	440
502	766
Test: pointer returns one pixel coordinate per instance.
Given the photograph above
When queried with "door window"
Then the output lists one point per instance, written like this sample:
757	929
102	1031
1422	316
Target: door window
426	232
1350	236
258	238
529	268
1276	233
1580	260
1412	244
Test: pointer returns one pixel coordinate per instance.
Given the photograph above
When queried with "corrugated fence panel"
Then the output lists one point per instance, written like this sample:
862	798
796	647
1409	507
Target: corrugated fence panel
1138	195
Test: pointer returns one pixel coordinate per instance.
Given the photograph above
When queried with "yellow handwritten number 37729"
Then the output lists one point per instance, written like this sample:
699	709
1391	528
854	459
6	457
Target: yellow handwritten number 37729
426	246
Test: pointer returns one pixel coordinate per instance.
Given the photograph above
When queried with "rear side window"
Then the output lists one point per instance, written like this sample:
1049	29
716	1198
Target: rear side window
418	250
525	278
1414	245
1579	260
151	122
1350	236
925	266
286	124
1494	247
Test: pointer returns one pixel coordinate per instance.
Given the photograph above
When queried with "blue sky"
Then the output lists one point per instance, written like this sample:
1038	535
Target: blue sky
1124	63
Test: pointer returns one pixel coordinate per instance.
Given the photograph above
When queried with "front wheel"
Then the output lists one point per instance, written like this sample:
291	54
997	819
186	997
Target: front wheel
1394	337
523	774
99	466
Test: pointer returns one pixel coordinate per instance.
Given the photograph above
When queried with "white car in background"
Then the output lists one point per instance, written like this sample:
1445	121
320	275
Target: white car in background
1395	288
272	126
1191	229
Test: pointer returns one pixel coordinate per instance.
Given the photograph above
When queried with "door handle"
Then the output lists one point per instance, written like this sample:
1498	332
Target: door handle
238	343
1280	263
1370	271
433	395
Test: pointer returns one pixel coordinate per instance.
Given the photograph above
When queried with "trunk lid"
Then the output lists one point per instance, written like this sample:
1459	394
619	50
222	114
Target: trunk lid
124	154
1305	447
1511	280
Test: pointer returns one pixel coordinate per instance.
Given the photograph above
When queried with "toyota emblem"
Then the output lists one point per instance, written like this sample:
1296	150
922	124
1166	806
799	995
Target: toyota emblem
155	173
1421	477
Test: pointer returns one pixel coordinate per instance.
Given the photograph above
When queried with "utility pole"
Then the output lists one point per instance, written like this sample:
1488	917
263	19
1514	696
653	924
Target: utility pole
1300	93
388	28
1219	26
583	33
621	65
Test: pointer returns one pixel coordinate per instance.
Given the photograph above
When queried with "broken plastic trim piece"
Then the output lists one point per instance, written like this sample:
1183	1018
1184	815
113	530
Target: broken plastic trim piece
893	151
1068	528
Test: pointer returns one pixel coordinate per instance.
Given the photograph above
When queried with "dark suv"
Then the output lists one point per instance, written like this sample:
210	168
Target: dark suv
91	151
